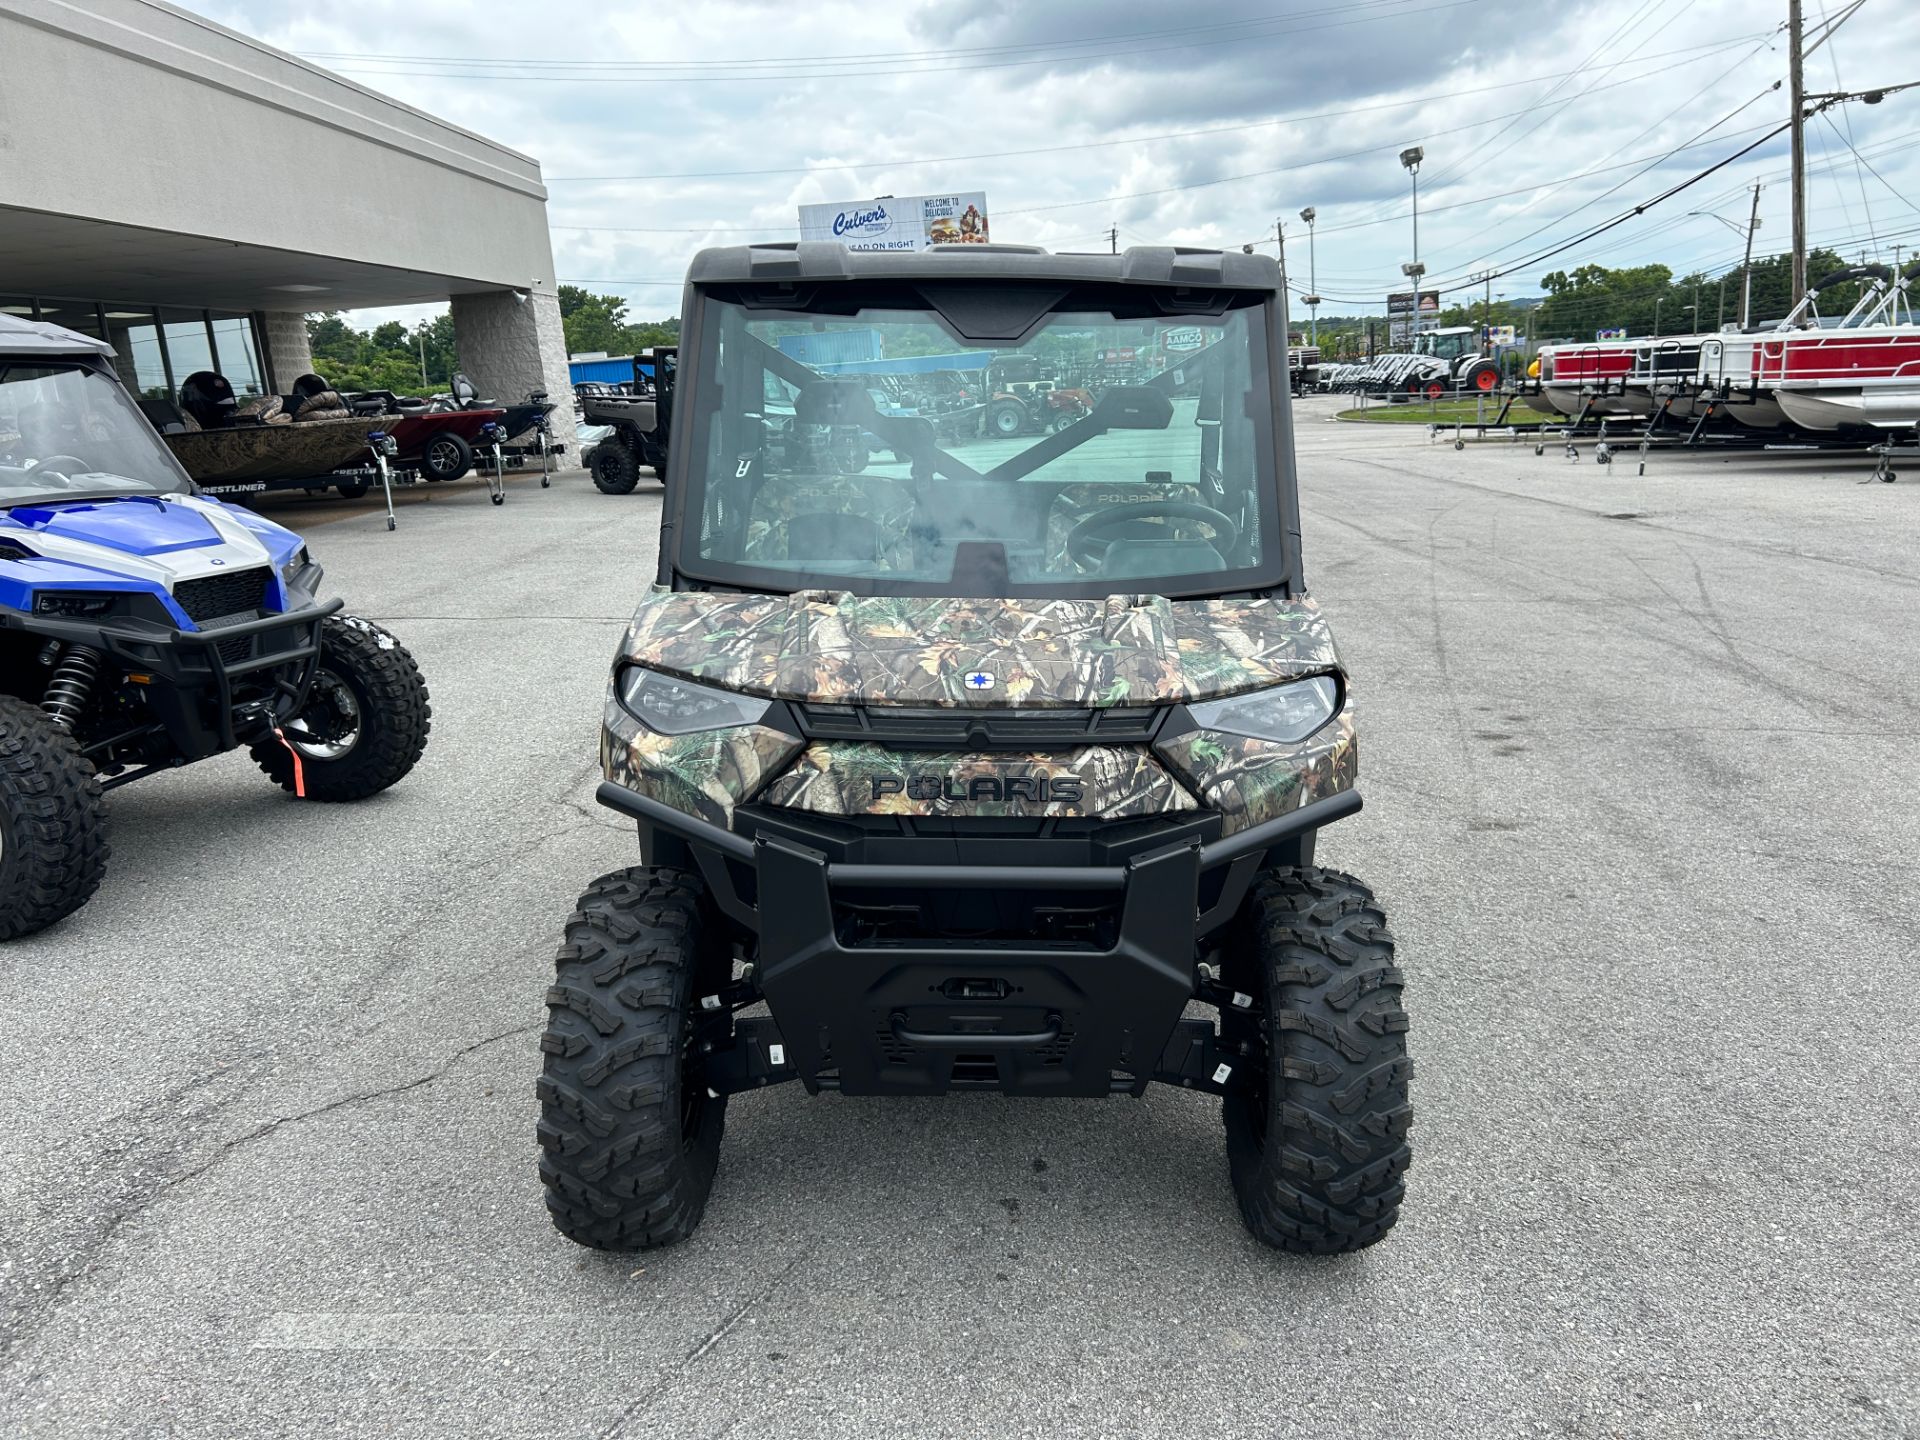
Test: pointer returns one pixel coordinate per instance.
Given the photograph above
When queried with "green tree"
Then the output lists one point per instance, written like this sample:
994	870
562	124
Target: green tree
436	337
593	322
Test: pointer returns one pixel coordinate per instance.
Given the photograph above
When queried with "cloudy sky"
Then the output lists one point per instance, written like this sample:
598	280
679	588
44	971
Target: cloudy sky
661	129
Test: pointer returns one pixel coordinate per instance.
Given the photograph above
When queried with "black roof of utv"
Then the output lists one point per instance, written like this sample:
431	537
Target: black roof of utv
787	262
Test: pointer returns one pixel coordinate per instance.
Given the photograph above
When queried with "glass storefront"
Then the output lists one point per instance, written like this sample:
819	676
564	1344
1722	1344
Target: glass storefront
189	343
156	348
235	355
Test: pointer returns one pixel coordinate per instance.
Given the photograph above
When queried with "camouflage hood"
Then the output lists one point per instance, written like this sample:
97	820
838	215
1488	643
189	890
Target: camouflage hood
833	647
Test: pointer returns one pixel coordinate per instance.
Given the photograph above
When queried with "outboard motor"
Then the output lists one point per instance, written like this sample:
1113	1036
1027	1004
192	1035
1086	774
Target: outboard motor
209	399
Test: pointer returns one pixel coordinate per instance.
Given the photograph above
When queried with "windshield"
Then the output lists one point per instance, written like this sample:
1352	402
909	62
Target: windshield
69	433
881	453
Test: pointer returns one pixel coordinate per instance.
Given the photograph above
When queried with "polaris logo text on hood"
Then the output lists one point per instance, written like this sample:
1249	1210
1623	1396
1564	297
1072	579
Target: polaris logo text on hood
1038	789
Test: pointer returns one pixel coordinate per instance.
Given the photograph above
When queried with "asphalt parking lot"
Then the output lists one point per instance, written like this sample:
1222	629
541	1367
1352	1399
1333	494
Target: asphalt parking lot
1640	758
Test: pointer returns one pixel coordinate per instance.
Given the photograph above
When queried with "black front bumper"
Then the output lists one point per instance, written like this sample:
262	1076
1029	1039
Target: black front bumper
924	1013
211	689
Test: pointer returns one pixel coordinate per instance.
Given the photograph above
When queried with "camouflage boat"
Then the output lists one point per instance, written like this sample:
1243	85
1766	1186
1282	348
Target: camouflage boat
299	450
979	767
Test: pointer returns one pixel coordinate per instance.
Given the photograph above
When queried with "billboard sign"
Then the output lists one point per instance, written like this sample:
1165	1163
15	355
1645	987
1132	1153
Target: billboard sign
1610	334
1501	335
1409	312
902	222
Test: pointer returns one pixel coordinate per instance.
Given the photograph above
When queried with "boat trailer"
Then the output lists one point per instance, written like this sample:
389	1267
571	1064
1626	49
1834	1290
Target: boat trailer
491	465
1693	426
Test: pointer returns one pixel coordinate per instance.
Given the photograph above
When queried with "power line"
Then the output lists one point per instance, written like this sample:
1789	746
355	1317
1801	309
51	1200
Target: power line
1862	160
1302	165
379	66
869	57
1718	48
1612	189
1449	172
1833	59
1509	267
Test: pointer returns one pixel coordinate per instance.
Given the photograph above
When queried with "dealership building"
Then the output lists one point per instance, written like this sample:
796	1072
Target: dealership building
188	195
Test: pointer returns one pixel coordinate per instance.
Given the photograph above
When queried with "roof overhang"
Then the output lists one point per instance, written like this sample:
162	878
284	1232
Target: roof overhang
62	255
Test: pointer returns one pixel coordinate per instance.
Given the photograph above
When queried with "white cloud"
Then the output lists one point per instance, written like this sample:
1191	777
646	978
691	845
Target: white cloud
1596	85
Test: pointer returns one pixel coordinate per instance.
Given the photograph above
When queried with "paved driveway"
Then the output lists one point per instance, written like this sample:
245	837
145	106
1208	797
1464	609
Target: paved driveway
1641	800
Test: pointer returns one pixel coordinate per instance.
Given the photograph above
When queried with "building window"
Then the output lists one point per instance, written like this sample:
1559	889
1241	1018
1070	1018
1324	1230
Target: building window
235	354
136	343
189	343
82	316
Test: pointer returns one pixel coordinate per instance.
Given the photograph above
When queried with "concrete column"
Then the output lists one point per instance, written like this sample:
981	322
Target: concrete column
288	354
509	346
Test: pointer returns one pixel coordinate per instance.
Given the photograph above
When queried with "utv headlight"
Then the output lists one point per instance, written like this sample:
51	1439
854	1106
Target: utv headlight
75	604
1286	713
680	707
298	573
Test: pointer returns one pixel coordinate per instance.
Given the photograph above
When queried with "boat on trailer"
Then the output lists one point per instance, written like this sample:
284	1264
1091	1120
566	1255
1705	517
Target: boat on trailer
1664	376
1583	379
1734	367
1867	376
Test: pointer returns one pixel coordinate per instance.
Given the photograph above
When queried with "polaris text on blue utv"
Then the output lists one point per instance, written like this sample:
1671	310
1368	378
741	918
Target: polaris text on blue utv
982	757
145	626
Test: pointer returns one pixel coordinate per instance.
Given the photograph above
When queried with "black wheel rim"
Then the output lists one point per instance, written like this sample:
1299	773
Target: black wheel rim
442	456
328	727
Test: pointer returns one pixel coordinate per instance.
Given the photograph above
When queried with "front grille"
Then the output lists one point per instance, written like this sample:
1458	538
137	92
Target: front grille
977	839
215	597
911	728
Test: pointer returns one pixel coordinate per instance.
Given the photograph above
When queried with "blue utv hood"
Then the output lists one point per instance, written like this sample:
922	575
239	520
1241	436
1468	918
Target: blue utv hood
132	526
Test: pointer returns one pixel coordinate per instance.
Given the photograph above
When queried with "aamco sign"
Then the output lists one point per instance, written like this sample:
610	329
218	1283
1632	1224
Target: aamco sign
905	222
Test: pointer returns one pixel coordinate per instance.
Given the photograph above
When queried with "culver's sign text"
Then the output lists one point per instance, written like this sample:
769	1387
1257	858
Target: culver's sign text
903	222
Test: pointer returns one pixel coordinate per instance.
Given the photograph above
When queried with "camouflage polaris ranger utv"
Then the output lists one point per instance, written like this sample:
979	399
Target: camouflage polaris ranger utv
995	766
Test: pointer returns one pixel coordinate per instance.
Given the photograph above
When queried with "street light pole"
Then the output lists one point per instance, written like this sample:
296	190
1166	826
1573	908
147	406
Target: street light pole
1411	158
1313	280
1746	263
1656	315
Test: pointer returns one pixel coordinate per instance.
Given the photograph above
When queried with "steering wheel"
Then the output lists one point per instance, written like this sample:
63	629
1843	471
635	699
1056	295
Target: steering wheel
1087	542
61	464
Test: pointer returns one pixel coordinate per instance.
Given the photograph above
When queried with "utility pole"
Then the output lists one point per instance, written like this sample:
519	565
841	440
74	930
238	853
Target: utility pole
1113	241
1797	85
1746	265
423	359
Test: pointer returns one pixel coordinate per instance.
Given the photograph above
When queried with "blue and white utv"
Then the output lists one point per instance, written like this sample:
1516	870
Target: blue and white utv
145	626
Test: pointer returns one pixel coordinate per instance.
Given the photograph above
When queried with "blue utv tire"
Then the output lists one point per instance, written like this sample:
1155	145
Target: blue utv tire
365	722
